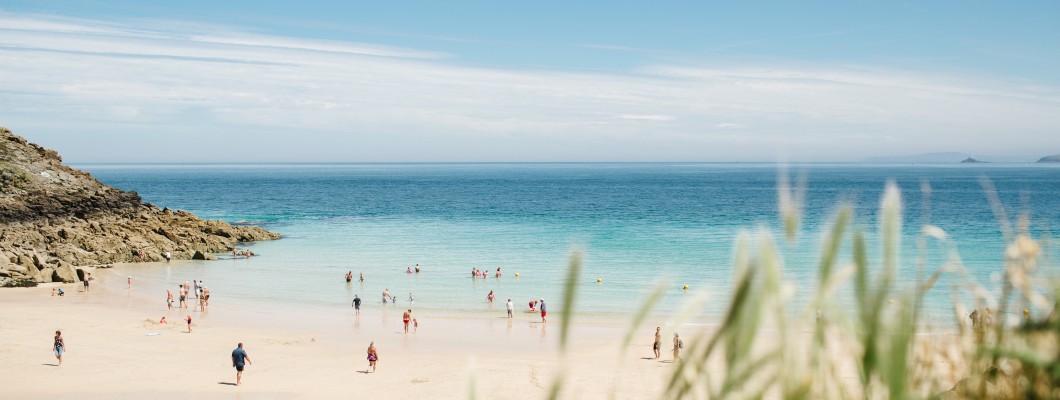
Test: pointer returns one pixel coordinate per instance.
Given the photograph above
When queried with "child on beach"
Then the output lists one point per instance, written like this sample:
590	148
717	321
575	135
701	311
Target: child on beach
415	325
373	356
59	346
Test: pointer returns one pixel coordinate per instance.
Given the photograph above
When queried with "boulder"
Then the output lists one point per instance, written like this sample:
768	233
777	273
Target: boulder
65	273
47	274
201	256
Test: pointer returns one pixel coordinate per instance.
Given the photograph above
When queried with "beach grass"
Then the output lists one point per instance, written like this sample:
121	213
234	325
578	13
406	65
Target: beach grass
881	338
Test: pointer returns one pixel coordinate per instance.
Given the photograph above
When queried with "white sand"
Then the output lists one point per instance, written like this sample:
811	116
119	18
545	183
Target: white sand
109	354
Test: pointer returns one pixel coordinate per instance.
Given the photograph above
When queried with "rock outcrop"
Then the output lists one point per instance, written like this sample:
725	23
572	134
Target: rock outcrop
54	218
1055	158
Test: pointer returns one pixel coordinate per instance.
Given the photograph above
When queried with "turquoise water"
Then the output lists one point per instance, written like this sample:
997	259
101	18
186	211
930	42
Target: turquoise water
636	224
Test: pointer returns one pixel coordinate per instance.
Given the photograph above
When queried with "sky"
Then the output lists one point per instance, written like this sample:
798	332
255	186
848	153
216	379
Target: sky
545	81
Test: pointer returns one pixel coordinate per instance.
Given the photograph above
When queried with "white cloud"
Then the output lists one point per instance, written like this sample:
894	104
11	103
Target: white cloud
645	117
221	88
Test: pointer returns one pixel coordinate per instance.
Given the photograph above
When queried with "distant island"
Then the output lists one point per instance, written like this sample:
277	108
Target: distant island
1055	158
946	158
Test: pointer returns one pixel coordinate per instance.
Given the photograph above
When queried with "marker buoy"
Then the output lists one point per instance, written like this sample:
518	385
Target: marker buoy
516	274
685	287
599	280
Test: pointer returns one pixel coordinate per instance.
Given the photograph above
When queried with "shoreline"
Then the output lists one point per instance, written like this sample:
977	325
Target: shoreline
110	355
117	349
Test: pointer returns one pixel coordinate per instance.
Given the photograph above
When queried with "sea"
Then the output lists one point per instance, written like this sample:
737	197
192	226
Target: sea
636	226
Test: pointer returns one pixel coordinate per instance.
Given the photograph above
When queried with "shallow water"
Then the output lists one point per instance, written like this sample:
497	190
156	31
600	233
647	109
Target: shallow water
636	224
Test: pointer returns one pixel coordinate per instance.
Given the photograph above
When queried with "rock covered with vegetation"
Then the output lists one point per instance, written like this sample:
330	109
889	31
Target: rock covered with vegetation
54	218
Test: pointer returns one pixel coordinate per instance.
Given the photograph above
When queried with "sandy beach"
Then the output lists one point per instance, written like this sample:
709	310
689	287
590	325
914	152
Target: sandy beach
117	349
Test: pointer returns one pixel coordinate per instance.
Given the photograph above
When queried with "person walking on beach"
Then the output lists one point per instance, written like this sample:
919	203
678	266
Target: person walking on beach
58	347
130	282
406	317
511	308
373	356
678	345
543	311
184	296
188	318
357	303
658	341
168	256
169	299
86	282
239	360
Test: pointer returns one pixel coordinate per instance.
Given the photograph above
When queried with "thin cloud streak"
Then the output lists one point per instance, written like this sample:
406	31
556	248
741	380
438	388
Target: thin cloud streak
131	85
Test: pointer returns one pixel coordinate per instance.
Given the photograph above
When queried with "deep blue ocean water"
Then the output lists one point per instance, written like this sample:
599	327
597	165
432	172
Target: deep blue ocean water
636	224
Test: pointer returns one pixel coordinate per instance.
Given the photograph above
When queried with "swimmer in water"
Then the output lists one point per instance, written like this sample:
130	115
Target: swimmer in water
349	277
489	297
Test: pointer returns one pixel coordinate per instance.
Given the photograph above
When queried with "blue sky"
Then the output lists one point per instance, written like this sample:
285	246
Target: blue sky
193	81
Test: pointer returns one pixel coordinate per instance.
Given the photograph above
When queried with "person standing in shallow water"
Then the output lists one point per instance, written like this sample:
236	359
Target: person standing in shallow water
543	311
373	356
240	360
357	303
511	308
58	347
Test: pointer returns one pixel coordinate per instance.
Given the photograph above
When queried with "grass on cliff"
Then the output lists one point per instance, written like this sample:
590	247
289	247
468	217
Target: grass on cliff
12	177
878	335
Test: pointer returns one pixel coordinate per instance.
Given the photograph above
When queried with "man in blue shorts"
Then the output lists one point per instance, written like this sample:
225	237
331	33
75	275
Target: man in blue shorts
239	360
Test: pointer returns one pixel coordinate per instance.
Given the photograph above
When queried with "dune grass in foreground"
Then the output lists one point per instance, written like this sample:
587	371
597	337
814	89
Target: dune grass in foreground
990	358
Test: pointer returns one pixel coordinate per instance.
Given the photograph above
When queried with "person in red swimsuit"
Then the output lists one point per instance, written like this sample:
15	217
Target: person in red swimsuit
406	318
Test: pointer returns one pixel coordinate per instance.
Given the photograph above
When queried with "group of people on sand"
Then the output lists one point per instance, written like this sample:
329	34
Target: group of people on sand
186	290
481	273
678	344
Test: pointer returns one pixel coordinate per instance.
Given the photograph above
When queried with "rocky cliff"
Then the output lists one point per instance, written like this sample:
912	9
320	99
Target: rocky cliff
54	218
1055	158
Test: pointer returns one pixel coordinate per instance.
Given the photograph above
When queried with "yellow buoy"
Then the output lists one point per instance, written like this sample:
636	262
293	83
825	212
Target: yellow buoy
599	280
516	274
685	287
